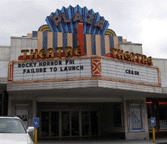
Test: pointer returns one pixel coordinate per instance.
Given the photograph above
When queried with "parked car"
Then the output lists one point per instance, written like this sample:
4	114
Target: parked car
13	131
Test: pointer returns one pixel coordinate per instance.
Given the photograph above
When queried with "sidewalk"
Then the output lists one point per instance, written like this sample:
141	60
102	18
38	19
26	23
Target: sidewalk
150	141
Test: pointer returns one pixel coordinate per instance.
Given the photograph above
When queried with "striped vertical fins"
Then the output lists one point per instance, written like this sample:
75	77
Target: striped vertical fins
61	24
76	9
96	19
55	35
39	40
45	40
70	39
116	42
105	27
97	44
50	40
64	41
85	48
60	40
51	24
70	16
74	40
93	44
65	25
88	44
120	40
54	39
111	41
84	16
89	27
103	45
107	44
34	34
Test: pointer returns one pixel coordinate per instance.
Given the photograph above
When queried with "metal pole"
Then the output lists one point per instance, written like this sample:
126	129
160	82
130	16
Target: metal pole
153	130
35	136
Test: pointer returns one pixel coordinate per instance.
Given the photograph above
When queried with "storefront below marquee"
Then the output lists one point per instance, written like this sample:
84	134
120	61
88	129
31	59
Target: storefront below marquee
83	112
70	113
61	120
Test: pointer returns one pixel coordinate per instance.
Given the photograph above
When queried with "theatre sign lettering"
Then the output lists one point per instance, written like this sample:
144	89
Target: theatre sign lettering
49	53
115	53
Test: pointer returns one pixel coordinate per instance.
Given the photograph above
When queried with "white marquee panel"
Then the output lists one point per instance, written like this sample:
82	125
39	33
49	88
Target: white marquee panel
60	73
117	70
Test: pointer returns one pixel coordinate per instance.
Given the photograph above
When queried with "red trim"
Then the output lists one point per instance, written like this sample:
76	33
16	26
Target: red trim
149	102
10	73
80	36
162	103
96	67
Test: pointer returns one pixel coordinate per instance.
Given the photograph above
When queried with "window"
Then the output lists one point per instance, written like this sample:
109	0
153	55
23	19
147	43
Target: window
135	115
149	113
117	119
11	125
162	115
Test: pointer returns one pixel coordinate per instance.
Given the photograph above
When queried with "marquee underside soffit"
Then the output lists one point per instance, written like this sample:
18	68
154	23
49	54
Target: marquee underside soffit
83	87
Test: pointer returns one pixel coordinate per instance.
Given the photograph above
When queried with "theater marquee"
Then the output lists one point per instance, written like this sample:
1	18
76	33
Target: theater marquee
83	68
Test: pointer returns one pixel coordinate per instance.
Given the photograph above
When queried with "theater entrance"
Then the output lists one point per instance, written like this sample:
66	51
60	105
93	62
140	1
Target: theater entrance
55	124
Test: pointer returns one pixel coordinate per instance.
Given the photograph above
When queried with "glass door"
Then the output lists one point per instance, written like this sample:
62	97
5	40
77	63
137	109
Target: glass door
75	123
71	123
44	124
85	123
65	123
94	122
54	123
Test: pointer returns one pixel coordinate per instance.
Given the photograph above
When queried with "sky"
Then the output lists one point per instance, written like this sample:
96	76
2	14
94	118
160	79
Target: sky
138	21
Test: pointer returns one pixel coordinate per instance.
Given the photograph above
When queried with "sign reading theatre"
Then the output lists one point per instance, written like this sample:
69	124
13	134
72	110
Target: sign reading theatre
116	53
133	57
49	53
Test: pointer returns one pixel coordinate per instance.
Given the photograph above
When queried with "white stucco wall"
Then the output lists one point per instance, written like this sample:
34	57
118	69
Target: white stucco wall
162	64
20	43
5	53
131	47
4	60
8	53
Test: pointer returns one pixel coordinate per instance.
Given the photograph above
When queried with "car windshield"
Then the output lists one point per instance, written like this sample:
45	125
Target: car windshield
11	125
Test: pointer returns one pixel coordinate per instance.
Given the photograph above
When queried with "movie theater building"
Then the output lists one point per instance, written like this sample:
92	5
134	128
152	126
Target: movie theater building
82	80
